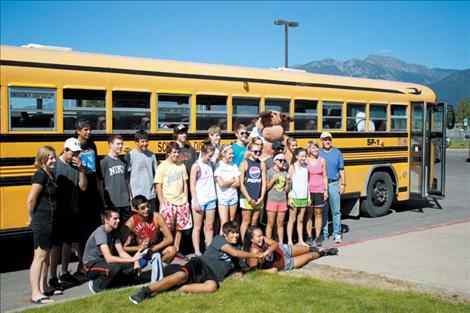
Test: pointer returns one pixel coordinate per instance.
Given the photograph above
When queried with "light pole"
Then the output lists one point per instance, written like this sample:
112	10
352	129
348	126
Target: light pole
286	24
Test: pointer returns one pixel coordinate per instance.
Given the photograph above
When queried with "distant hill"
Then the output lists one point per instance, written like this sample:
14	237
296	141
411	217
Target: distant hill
450	85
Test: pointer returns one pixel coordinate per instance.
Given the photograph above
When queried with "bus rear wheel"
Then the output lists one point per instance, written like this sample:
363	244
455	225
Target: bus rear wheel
380	195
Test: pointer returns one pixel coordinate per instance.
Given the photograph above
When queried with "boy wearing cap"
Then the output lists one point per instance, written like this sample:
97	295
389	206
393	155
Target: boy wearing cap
336	185
70	179
187	154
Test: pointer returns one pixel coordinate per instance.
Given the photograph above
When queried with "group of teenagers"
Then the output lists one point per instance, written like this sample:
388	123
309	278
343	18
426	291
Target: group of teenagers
145	208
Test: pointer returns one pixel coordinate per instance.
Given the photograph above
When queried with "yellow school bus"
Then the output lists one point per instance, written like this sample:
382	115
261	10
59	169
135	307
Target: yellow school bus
396	153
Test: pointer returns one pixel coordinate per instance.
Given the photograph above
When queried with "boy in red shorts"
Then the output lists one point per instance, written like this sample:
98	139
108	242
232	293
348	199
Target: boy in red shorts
172	192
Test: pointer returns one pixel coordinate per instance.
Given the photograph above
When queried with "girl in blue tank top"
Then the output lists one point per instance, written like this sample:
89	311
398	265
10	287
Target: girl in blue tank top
252	187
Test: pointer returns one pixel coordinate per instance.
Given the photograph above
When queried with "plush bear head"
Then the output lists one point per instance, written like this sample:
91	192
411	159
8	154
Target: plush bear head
271	125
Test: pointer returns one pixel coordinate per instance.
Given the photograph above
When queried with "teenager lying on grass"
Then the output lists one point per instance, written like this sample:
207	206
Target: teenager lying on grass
203	274
280	257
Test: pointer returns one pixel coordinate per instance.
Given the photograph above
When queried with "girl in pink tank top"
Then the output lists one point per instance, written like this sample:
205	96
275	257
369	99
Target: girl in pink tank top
317	184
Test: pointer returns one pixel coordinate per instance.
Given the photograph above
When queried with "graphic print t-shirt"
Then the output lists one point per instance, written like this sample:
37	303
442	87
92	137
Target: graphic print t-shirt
172	177
220	262
115	176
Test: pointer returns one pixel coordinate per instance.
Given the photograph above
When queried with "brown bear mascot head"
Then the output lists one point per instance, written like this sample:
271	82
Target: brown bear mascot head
271	126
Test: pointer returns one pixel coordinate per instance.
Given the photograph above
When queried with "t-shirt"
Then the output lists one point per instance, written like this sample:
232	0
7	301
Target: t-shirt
238	153
46	204
226	171
172	177
92	252
220	262
334	162
277	193
68	191
187	156
142	167
115	176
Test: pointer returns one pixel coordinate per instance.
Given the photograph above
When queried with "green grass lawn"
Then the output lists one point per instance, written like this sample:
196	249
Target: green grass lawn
258	292
459	144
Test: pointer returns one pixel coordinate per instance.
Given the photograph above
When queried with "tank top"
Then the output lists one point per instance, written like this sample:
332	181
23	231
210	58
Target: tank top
144	231
205	186
299	182
315	178
253	179
274	259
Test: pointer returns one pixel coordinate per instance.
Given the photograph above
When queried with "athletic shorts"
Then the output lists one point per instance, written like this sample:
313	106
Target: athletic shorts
274	206
176	216
211	205
317	200
300	203
288	259
196	271
229	202
245	205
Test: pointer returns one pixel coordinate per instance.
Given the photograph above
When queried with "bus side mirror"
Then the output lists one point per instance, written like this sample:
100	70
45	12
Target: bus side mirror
450	117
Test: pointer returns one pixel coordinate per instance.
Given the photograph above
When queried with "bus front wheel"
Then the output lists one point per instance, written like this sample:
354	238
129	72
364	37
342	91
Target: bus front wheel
380	195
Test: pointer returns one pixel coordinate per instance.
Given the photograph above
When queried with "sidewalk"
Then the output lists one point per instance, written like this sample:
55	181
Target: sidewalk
436	257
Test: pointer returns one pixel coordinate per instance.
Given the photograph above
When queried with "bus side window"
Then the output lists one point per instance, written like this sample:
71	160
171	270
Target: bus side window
378	116
356	117
211	110
32	108
245	111
306	115
398	117
173	110
84	103
131	110
332	115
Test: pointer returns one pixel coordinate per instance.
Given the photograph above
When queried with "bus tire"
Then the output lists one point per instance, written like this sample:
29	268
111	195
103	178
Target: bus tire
380	195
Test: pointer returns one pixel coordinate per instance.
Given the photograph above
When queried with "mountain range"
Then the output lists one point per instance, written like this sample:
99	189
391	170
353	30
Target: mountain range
450	85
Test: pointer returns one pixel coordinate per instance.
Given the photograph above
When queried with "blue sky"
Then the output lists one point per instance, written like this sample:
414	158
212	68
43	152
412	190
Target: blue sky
435	34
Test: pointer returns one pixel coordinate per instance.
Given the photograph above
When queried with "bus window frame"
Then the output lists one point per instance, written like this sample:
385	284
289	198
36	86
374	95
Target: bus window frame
354	102
78	109
218	112
45	130
369	118
130	109
173	93
343	114
306	114
260	107
407	116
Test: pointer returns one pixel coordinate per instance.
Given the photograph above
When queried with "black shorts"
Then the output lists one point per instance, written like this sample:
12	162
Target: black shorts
196	270
43	240
317	200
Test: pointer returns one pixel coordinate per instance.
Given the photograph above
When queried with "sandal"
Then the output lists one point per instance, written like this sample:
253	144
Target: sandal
42	300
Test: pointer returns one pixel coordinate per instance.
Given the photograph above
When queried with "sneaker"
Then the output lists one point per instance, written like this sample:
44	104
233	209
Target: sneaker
92	286
318	242
66	277
338	239
331	251
140	296
313	249
54	283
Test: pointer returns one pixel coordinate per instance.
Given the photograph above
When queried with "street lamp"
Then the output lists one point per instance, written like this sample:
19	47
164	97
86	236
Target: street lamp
286	24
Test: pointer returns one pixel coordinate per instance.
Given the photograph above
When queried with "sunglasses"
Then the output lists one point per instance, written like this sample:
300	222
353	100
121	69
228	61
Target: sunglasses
256	151
281	160
244	133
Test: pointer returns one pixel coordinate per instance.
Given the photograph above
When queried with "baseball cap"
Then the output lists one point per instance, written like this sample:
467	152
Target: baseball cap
325	135
72	144
180	128
277	145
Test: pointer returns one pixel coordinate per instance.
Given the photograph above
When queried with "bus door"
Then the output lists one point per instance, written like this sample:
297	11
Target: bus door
427	163
435	157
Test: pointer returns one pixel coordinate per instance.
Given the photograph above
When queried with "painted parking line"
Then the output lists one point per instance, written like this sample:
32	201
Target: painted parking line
403	232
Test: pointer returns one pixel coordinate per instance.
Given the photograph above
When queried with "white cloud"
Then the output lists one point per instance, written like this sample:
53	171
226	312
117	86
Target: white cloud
386	51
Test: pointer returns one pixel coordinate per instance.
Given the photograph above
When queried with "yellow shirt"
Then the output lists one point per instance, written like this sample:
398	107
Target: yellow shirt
172	177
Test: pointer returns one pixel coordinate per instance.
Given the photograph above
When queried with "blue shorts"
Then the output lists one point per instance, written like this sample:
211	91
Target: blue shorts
207	206
229	202
288	259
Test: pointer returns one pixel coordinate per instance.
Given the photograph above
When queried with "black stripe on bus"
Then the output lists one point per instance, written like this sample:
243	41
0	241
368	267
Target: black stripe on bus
403	189
30	160
191	136
188	76
26	180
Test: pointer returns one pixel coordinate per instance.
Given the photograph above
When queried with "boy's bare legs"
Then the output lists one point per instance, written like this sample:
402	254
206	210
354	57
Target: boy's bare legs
178	236
206	287
168	281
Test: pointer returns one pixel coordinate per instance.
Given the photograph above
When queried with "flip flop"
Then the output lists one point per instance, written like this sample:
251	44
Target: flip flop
42	300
